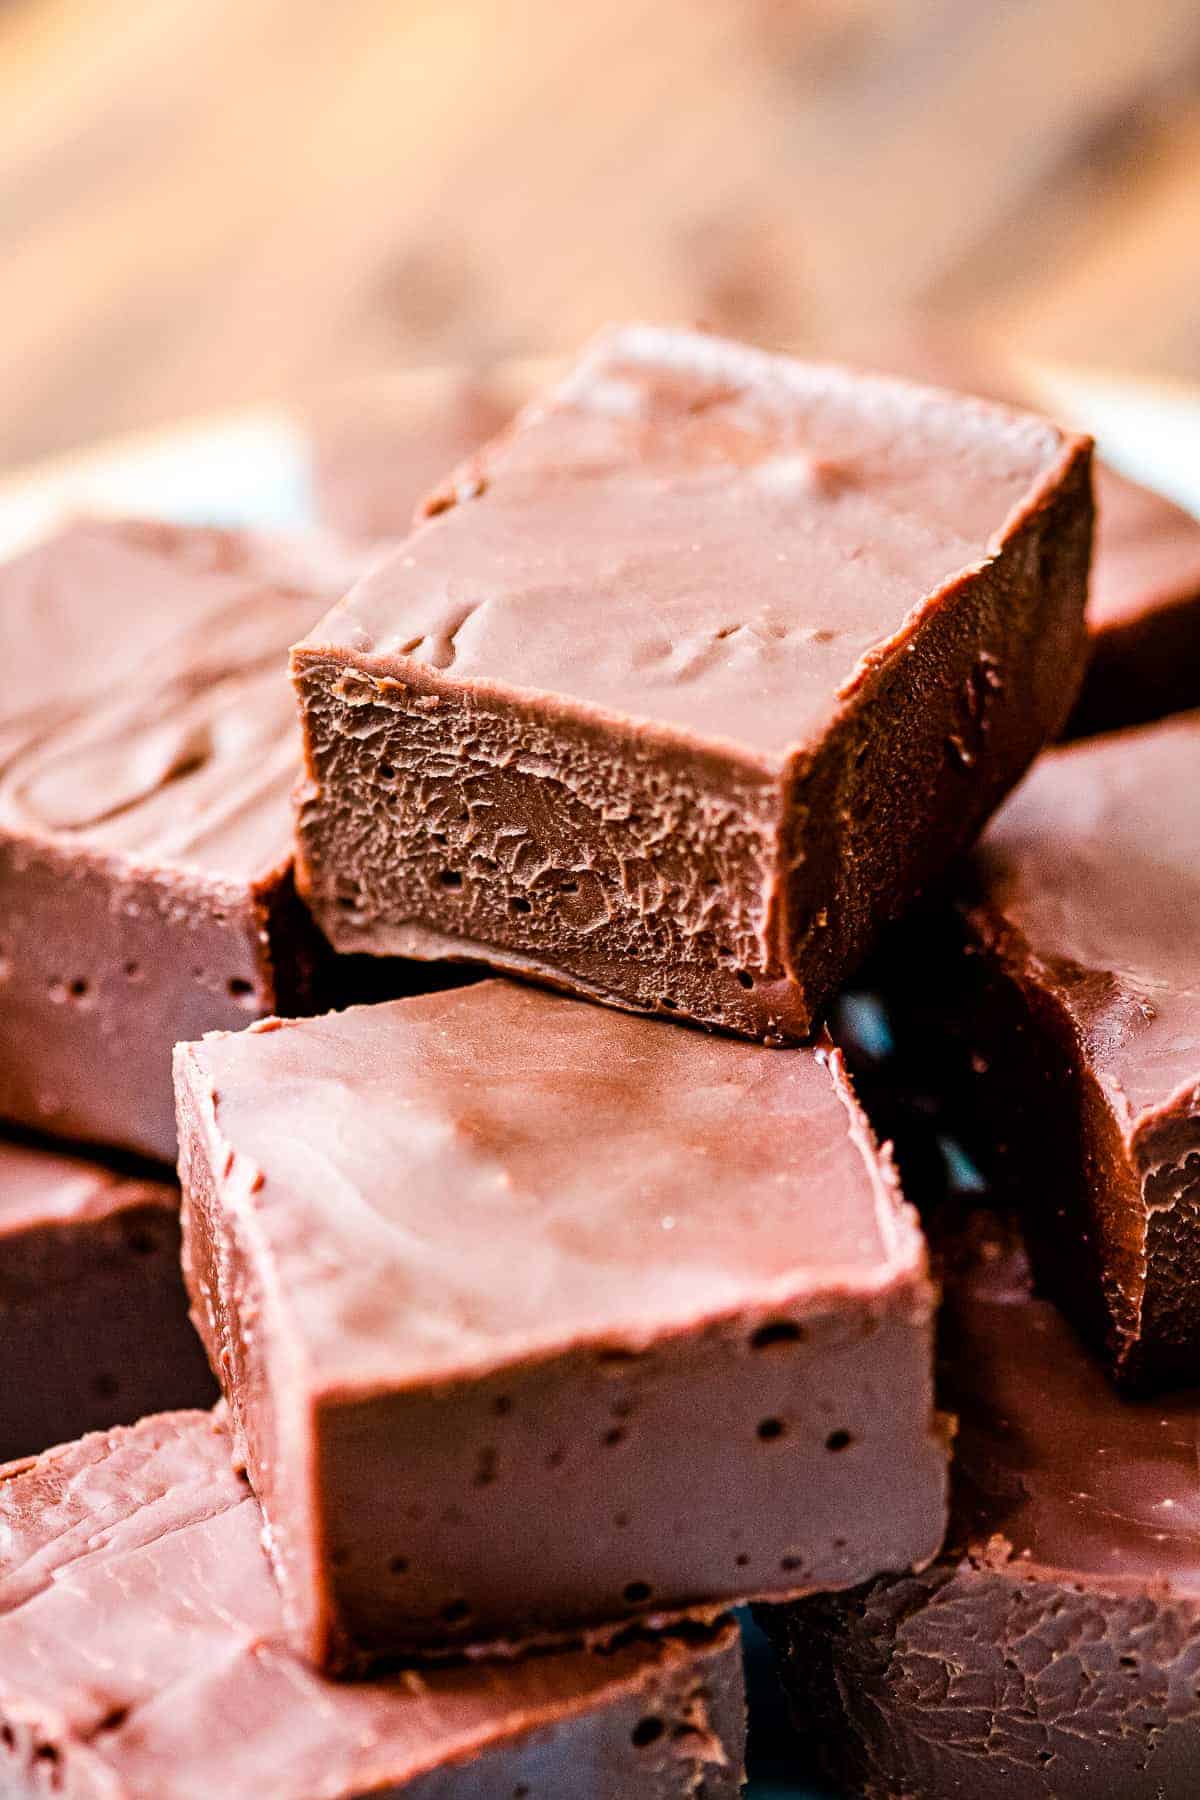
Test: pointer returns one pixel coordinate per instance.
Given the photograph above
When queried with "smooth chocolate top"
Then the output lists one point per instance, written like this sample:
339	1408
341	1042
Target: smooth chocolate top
373	467
1053	1470
140	1632
42	1187
700	537
144	703
1093	869
1147	552
453	1181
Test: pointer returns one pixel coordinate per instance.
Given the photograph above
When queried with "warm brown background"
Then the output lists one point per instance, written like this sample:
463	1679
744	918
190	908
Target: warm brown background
205	202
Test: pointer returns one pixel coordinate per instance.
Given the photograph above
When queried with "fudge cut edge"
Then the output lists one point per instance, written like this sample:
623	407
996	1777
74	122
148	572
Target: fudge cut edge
93	1313
645	867
780	1407
597	856
872	1680
674	1727
108	962
1120	1245
667	1709
938	724
1144	662
372	1561
1141	669
251	1364
1053	1647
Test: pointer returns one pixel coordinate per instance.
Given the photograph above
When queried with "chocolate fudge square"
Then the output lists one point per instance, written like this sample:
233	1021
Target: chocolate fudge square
147	753
693	679
1060	993
94	1327
1052	1651
536	1318
141	1658
1144	609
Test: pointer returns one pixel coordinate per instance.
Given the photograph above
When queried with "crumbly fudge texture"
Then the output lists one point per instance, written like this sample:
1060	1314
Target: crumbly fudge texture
692	679
1052	1652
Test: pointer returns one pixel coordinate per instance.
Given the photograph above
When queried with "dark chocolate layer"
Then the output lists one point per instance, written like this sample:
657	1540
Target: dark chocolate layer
147	752
1054	1648
533	1315
692	679
141	1658
94	1328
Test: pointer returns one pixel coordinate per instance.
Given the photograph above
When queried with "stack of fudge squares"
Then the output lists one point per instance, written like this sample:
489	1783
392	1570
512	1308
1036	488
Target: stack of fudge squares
537	1288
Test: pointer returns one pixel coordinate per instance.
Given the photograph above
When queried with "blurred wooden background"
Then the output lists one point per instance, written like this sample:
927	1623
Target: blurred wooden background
208	202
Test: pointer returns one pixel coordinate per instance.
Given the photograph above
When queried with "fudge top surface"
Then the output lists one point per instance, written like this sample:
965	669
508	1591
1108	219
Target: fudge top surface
1146	549
699	537
1094	864
48	1187
1147	552
141	1630
445	1184
144	704
1054	1472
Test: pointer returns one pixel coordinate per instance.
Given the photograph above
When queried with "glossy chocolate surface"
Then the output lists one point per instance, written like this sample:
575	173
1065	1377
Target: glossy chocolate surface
623	1178
94	1328
143	711
523	1234
1054	1648
147	752
691	678
1095	865
1080	1484
1144	594
141	1658
1082	914
700	537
